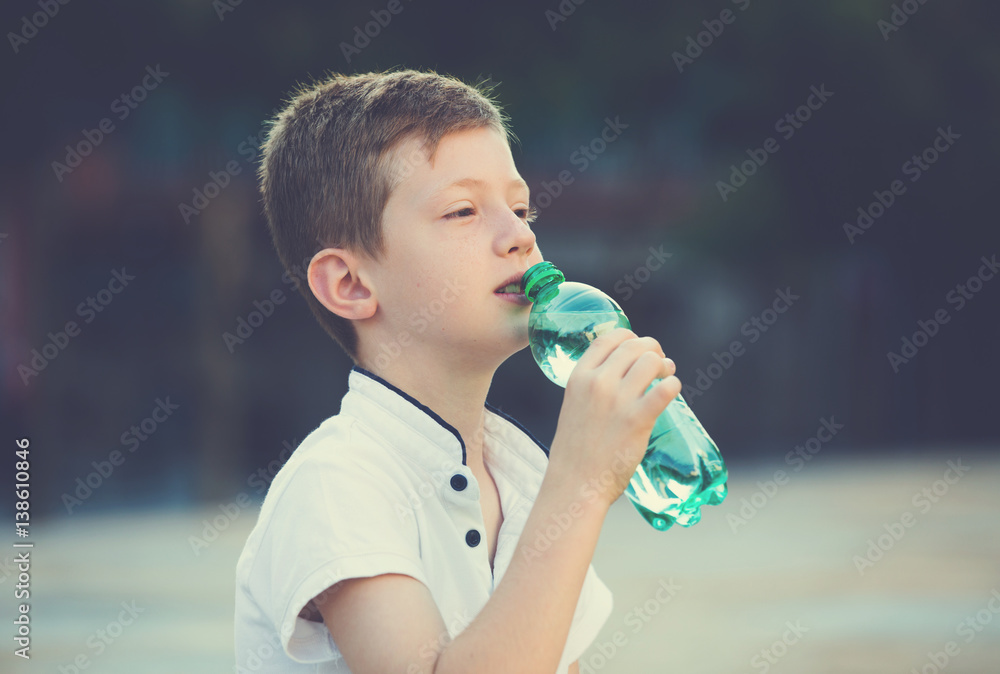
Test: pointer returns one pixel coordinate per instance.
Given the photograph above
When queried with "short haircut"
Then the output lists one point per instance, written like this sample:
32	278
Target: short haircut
326	172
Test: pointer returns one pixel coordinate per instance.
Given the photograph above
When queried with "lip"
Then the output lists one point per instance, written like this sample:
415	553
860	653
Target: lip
516	298
516	278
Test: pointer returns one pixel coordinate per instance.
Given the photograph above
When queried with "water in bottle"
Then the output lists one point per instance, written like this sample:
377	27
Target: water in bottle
682	469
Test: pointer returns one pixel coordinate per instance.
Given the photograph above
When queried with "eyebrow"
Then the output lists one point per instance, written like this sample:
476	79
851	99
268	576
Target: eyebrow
476	182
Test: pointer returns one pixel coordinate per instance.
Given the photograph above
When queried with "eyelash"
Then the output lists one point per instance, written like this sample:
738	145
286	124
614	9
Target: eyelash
529	218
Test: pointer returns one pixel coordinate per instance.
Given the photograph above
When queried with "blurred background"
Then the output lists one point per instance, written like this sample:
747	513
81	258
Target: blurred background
796	199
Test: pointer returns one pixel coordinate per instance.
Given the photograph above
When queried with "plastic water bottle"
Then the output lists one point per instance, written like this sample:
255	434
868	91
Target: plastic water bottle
682	469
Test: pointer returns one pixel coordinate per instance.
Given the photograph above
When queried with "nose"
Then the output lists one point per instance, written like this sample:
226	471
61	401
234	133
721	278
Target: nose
515	236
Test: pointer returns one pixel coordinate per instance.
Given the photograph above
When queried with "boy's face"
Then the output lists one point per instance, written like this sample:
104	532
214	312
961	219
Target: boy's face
455	231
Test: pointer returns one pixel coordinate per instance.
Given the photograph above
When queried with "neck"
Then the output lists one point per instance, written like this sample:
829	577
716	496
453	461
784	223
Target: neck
455	391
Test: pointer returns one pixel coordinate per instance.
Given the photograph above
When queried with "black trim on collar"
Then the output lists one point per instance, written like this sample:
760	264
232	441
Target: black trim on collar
416	403
514	421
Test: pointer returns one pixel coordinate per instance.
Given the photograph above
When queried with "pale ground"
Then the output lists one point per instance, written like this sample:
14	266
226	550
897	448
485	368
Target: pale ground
792	562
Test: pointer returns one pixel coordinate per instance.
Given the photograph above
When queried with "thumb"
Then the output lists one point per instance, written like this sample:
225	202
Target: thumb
656	399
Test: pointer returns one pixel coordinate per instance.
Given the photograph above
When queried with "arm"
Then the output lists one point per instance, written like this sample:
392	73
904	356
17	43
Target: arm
575	668
390	623
522	628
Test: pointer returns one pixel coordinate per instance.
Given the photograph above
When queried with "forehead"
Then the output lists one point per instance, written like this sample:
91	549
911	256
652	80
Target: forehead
470	155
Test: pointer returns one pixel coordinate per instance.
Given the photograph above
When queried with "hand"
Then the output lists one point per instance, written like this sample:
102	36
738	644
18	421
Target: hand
607	415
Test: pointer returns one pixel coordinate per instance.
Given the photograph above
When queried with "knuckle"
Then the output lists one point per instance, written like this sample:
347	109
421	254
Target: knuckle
613	334
635	415
667	391
623	334
578	379
602	385
584	383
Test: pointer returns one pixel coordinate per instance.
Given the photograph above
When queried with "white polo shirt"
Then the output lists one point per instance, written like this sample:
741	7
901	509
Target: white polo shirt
383	487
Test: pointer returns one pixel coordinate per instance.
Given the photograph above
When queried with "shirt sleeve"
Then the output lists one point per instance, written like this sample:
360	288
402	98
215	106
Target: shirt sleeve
331	518
592	611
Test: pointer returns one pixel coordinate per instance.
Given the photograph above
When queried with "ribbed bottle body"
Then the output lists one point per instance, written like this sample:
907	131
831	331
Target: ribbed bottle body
682	469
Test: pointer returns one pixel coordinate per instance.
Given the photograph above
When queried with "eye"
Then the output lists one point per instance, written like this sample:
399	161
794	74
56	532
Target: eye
461	213
529	215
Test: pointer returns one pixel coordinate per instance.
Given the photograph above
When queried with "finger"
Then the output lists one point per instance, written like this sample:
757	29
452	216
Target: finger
628	352
657	398
669	368
600	348
648	367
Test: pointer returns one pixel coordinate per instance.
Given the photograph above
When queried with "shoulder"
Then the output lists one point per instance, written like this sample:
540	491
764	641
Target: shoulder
339	495
340	481
340	449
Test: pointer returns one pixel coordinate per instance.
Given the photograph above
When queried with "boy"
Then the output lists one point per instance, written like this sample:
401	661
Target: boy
421	529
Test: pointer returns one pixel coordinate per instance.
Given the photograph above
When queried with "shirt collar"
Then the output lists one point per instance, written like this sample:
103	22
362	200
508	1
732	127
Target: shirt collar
397	415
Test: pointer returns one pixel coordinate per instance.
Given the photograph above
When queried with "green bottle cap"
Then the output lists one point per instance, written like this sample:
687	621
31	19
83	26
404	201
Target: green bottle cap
540	276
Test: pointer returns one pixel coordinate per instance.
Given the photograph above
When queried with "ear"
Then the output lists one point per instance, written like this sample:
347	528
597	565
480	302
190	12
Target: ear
335	280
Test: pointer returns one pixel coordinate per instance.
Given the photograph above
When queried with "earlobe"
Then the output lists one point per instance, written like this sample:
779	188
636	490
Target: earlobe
335	279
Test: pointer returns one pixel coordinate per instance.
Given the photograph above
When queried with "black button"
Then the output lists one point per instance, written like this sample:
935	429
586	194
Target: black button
458	482
472	538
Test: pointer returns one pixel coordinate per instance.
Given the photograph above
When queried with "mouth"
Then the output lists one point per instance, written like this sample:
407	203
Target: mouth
511	286
511	291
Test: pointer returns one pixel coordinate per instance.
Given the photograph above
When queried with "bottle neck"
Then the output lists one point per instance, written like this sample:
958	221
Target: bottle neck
544	290
541	280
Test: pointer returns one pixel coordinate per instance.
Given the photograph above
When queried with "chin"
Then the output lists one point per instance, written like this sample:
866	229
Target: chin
513	343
